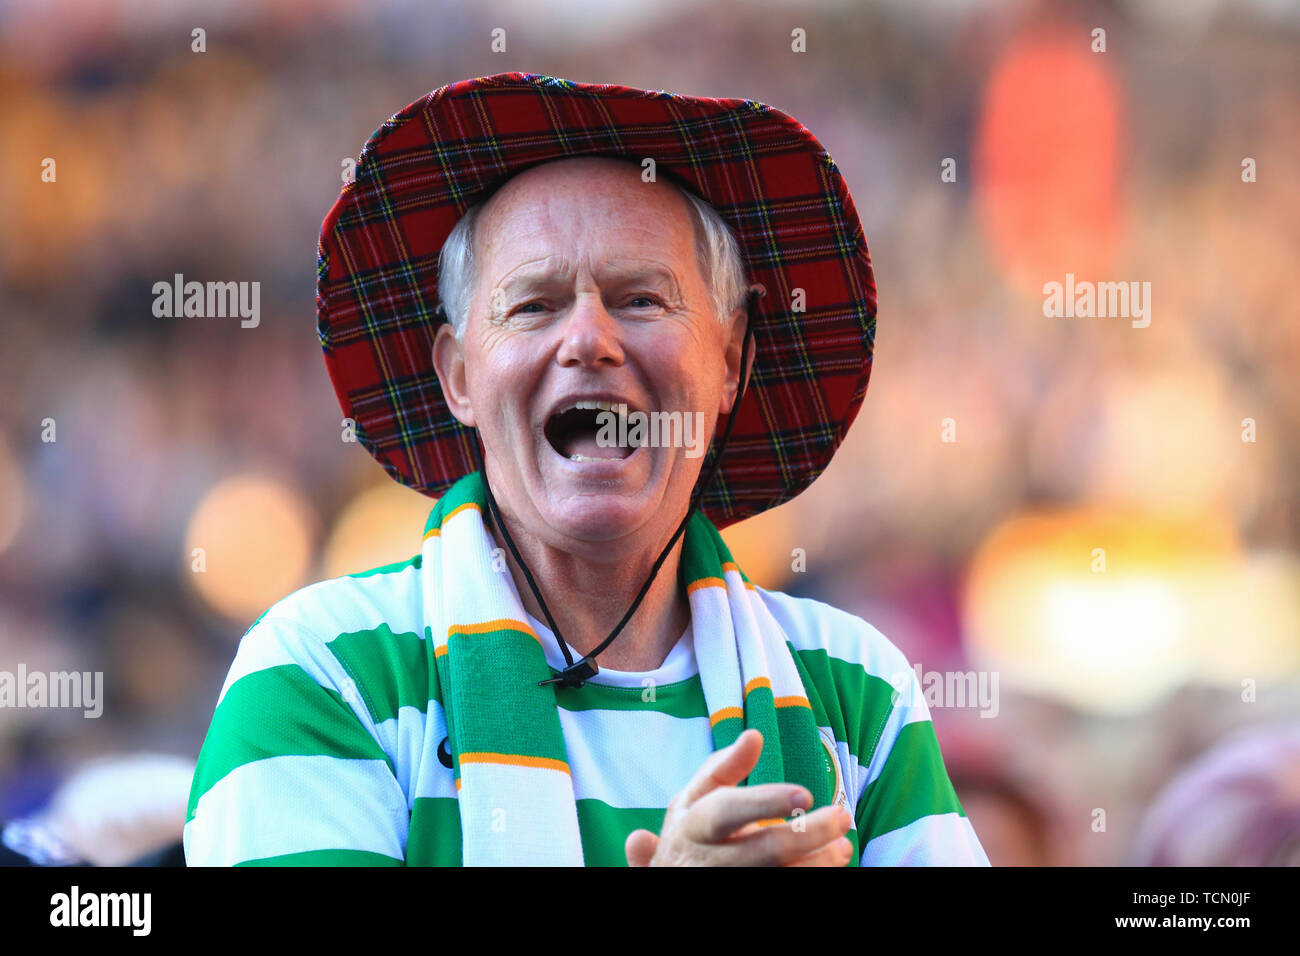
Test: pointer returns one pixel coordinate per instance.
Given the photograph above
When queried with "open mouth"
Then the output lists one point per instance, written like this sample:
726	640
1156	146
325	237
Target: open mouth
589	430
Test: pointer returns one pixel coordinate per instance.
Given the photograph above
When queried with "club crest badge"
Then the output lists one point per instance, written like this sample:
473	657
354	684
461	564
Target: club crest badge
841	795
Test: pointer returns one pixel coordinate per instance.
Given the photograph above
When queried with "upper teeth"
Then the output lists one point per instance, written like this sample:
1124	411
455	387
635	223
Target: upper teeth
593	406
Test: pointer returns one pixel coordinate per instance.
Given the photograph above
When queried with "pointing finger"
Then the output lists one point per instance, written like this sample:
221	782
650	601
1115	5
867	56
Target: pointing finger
725	768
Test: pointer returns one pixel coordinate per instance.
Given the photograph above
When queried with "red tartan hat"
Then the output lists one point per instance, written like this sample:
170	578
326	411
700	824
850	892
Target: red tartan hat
767	176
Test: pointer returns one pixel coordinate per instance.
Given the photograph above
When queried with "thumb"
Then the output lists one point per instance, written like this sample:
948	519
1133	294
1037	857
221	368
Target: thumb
640	847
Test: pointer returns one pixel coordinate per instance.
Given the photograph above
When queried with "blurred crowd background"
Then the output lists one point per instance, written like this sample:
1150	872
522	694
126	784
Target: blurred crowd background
1148	708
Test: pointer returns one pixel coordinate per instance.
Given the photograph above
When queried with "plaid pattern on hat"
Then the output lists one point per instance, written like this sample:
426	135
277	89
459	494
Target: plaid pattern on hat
767	176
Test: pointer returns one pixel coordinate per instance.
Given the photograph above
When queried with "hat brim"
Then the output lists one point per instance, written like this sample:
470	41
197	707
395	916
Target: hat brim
767	176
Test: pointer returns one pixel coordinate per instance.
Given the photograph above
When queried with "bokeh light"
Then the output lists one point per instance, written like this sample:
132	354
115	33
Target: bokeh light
1047	154
254	537
382	524
1111	611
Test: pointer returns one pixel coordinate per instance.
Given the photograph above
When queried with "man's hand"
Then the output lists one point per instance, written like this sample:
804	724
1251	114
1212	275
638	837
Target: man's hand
712	822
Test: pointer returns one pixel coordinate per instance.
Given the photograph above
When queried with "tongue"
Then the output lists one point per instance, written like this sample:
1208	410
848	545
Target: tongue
583	442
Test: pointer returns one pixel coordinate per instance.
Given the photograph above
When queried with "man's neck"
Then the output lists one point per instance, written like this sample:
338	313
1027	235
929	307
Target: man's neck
588	599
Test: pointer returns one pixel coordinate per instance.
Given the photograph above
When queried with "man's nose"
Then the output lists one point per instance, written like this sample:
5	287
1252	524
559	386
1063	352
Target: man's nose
591	336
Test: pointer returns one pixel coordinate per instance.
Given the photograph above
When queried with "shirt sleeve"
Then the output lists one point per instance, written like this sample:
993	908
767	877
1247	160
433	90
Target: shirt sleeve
907	812
291	772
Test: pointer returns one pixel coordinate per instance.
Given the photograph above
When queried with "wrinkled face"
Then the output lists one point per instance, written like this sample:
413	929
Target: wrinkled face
589	291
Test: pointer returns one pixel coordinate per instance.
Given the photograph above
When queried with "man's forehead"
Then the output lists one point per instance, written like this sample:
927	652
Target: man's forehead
598	211
598	184
580	171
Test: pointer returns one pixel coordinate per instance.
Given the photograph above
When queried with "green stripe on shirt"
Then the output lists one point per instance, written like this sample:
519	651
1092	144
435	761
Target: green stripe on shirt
391	669
913	784
276	712
844	697
683	698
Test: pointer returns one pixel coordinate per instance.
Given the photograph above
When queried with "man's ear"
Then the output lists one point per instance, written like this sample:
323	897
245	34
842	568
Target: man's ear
449	363
735	344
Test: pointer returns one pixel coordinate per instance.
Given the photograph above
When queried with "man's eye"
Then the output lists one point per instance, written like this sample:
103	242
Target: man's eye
651	300
529	305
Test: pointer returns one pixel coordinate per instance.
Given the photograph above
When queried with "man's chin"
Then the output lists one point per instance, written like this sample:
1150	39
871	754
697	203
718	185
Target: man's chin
603	500
597	517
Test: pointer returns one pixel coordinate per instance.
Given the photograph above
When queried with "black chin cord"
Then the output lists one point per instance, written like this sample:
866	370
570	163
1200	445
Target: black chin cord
575	674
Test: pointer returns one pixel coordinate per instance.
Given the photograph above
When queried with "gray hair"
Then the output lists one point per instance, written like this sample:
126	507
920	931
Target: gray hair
716	249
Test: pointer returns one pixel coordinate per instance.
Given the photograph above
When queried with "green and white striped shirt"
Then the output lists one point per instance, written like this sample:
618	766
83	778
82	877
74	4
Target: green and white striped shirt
328	745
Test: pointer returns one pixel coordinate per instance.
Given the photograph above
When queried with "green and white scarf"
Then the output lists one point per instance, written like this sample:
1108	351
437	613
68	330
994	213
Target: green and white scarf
513	779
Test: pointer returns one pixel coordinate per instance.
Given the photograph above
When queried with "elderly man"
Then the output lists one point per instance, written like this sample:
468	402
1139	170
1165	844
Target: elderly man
574	670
